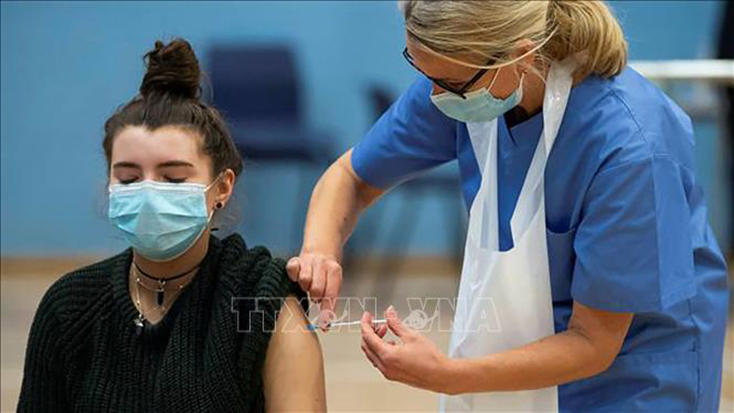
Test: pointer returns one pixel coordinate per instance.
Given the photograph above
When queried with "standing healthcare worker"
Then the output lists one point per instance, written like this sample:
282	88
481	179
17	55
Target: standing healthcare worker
588	242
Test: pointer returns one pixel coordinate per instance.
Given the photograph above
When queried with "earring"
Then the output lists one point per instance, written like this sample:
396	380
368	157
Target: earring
219	205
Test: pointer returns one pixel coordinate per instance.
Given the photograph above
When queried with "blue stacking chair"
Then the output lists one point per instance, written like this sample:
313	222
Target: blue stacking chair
259	91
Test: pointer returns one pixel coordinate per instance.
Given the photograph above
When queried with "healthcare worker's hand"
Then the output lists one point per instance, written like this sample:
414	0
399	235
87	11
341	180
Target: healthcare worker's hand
415	360
321	276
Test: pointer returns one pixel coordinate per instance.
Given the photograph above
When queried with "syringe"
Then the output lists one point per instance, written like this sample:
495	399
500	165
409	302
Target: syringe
346	323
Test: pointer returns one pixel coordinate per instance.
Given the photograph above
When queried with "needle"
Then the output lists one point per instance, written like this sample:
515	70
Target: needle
345	323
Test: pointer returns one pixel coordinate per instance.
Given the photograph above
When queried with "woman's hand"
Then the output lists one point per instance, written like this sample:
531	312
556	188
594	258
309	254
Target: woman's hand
415	361
320	275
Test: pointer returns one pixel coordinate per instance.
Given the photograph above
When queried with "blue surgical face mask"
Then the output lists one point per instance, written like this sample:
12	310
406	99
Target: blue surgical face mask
477	106
160	220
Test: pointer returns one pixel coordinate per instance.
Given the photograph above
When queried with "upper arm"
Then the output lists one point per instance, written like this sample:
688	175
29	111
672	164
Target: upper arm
366	192
410	137
293	375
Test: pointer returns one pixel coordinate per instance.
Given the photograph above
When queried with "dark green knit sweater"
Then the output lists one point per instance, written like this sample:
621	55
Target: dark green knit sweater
84	353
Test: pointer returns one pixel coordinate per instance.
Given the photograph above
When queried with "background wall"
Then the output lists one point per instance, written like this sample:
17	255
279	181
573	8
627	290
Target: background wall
67	65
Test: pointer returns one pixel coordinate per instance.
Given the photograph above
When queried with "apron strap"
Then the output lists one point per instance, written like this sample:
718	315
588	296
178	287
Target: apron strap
484	140
481	134
558	88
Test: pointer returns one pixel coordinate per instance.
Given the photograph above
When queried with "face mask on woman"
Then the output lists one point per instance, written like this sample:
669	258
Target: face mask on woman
477	106
160	220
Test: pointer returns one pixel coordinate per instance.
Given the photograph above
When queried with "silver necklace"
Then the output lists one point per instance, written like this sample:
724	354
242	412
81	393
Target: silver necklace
140	320
162	281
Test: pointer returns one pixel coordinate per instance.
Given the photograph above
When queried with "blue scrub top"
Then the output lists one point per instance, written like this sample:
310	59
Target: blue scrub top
626	227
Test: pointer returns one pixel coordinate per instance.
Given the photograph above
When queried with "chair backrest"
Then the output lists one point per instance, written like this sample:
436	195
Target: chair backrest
255	83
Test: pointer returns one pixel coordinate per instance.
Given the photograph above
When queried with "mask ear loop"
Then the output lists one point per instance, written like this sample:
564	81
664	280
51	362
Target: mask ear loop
519	85
496	75
213	182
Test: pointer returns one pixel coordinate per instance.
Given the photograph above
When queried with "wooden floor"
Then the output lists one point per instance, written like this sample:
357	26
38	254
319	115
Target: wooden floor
352	383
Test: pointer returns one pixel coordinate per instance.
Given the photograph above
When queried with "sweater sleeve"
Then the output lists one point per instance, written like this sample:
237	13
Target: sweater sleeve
43	387
277	277
268	296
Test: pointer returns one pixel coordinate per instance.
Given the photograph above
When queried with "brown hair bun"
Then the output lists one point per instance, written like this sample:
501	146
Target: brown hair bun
172	69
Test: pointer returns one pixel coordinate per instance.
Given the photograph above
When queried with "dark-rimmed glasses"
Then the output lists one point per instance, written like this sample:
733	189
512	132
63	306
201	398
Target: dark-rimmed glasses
445	86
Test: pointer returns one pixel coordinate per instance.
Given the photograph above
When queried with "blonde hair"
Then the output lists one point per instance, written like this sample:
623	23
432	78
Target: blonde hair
482	34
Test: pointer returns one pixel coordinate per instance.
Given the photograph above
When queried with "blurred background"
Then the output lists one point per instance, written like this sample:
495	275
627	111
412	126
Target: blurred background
300	83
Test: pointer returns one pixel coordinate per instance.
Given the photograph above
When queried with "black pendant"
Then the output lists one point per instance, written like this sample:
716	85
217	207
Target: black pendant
139	322
160	298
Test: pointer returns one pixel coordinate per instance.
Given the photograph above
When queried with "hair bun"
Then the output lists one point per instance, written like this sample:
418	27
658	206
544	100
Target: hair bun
171	69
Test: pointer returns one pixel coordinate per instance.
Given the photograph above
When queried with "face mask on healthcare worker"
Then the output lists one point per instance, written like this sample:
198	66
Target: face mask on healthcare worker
479	105
160	220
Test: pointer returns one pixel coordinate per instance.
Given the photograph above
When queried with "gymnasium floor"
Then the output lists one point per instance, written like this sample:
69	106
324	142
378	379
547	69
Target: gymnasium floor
352	383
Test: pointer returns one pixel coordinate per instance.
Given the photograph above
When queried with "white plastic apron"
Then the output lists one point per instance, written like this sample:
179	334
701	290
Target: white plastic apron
505	297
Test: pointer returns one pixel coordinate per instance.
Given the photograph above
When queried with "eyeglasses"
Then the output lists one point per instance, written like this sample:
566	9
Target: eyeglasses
461	91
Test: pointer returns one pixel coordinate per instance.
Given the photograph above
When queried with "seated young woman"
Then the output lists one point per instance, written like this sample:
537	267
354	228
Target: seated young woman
182	321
